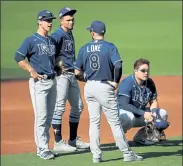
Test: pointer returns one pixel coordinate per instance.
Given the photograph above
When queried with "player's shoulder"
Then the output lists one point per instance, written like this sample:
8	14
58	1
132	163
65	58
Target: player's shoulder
86	45
83	47
109	44
125	86
127	81
58	33
29	39
52	39
150	82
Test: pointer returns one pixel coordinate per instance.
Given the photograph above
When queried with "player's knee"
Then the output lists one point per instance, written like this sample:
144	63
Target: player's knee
163	114
77	107
59	110
76	110
160	113
56	119
127	119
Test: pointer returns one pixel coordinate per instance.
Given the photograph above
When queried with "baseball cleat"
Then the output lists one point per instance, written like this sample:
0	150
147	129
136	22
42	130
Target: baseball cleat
79	144
47	155
97	160
63	146
132	156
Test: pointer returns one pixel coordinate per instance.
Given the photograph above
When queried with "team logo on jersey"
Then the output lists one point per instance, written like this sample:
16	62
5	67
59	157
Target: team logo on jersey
46	49
141	97
69	45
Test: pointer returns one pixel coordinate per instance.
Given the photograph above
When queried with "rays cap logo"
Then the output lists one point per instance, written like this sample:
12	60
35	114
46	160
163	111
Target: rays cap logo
98	27
66	11
45	15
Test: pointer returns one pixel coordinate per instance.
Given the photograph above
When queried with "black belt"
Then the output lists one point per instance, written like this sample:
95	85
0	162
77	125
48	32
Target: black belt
47	76
50	77
69	70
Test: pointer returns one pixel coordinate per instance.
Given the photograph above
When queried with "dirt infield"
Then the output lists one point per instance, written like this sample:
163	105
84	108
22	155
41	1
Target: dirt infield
17	115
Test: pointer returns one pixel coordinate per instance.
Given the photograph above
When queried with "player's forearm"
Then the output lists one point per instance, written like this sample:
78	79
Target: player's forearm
25	65
154	104
124	104
117	72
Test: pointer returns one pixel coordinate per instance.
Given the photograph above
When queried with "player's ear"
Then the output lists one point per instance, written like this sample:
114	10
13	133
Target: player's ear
61	20
135	70
39	21
92	34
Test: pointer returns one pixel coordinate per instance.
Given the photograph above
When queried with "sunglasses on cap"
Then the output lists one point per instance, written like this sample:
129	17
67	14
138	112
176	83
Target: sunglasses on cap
144	70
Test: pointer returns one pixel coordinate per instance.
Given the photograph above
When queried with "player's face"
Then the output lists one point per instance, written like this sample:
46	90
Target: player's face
142	72
67	22
46	25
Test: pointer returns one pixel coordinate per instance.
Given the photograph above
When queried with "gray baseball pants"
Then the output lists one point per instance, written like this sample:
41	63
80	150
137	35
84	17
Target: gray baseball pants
100	96
67	88
43	96
128	119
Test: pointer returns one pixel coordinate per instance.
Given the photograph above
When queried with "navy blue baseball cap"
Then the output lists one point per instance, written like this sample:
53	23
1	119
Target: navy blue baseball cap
66	11
98	27
45	15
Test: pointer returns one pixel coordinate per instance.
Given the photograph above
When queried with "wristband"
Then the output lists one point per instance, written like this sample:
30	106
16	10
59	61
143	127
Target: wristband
154	110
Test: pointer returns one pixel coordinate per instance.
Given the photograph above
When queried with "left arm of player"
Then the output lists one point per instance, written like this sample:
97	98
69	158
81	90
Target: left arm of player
57	39
154	104
117	62
78	65
154	101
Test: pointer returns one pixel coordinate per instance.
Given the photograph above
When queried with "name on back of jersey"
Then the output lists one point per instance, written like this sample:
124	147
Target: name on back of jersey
94	48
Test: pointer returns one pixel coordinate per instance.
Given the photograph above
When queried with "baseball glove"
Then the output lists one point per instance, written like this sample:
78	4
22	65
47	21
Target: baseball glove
150	134
153	134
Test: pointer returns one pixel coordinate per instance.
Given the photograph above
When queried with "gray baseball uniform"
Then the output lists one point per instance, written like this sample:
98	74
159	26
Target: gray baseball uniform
40	52
67	85
101	63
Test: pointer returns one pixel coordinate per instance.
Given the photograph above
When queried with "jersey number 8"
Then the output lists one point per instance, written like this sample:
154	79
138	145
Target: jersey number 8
94	62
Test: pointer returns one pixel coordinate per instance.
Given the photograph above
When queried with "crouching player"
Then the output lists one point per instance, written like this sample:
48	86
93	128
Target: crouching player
138	105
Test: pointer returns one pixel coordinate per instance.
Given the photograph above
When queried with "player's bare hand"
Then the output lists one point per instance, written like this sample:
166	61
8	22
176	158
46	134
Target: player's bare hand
63	68
114	84
148	116
35	75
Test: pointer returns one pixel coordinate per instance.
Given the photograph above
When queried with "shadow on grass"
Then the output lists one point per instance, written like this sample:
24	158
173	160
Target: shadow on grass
109	160
112	146
160	154
134	144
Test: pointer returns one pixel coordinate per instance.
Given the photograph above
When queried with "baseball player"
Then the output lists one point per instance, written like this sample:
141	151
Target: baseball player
67	85
102	65
40	51
134	94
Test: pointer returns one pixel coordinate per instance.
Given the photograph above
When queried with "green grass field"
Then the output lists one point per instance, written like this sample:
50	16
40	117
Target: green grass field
148	29
166	154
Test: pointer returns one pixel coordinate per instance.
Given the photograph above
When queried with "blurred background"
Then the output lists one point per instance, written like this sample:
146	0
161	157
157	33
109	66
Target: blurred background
147	29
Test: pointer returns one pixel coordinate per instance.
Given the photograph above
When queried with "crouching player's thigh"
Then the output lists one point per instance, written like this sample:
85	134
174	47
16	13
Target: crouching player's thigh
127	119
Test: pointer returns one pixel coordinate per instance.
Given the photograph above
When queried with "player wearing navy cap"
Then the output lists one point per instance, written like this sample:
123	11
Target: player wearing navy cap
67	85
101	64
40	51
134	94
